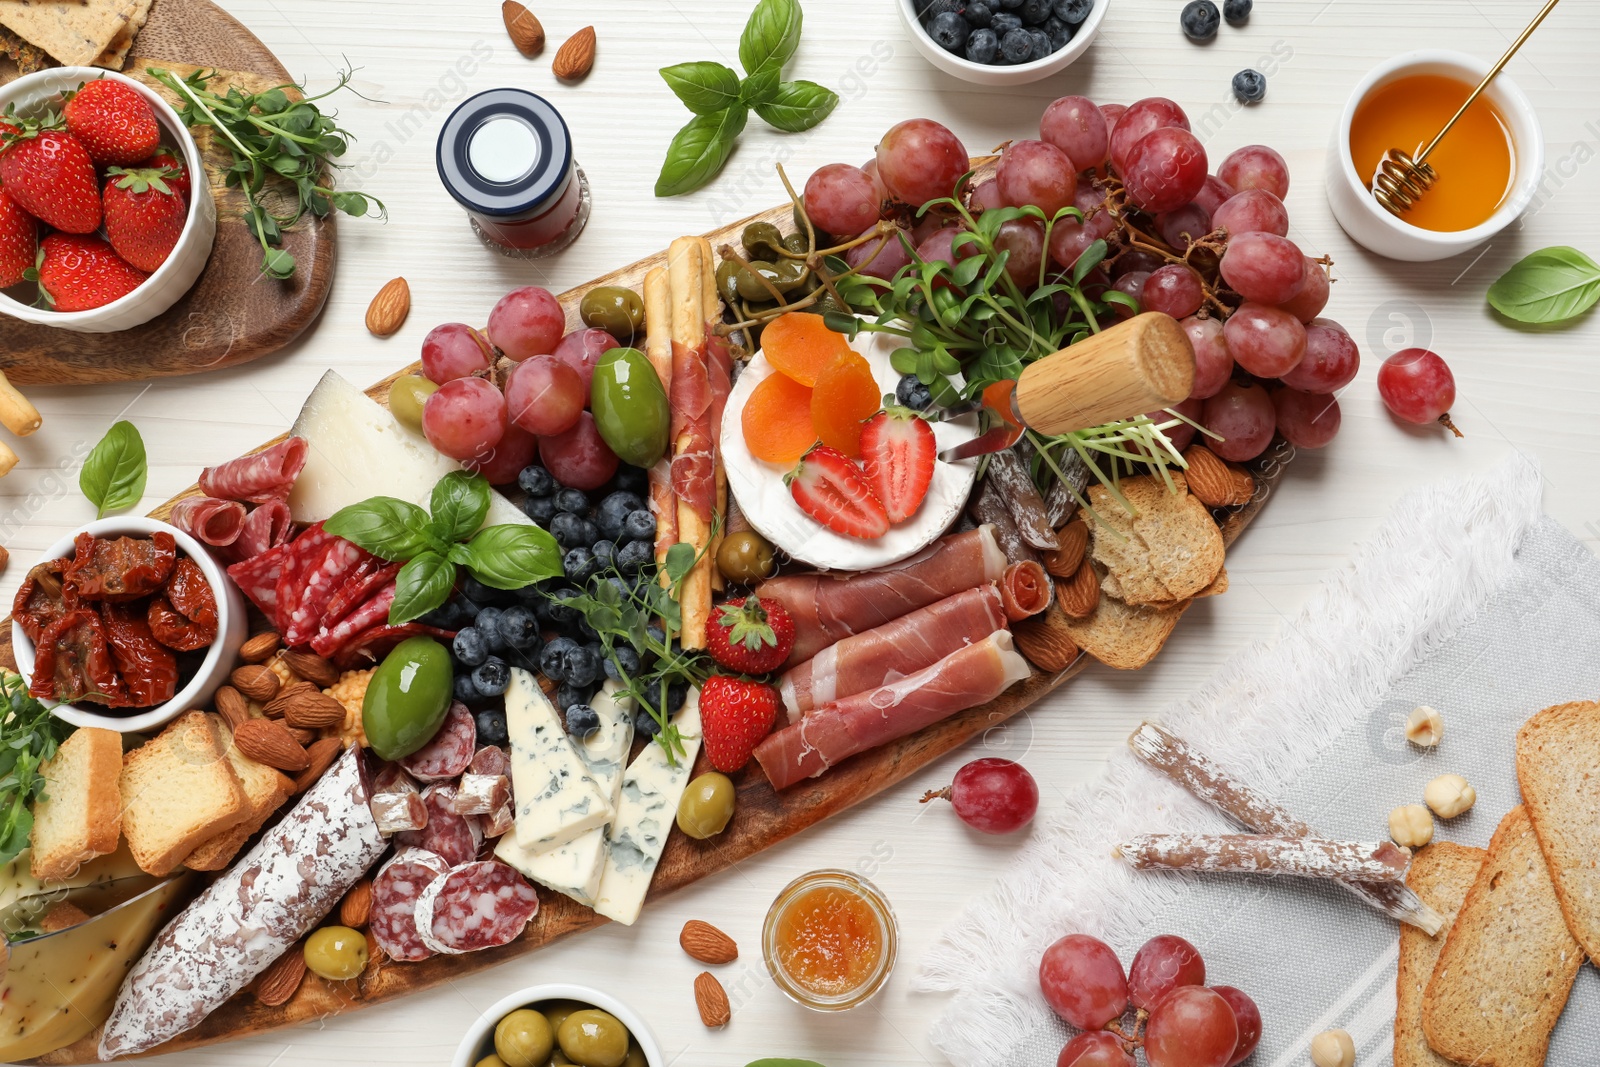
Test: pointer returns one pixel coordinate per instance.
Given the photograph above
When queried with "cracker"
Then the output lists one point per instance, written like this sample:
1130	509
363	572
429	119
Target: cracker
1121	635
74	32
116	53
1441	874
1557	753
1168	551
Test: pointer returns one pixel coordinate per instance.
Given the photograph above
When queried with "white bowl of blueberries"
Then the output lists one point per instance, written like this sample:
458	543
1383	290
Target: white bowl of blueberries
1002	42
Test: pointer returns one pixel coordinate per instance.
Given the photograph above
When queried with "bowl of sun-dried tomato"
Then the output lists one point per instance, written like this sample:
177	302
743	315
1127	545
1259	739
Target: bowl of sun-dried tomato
126	623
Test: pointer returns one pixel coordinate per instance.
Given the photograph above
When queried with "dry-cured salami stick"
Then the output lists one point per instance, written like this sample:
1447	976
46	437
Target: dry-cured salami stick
989	508
1301	857
1009	474
1256	812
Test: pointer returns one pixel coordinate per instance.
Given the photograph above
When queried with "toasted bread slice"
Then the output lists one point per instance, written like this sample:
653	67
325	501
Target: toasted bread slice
1123	636
1441	875
266	790
178	791
1168	552
1502	978
80	816
1557	753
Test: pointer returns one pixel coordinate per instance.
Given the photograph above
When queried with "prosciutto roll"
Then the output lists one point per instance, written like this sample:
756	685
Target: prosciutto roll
828	608
209	520
260	476
837	731
897	648
1025	589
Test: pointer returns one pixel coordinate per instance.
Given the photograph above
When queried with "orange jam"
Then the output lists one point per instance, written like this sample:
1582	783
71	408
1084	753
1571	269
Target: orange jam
829	941
1475	161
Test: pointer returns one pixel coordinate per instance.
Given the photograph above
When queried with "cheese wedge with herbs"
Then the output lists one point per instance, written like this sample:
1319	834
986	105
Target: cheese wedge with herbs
555	797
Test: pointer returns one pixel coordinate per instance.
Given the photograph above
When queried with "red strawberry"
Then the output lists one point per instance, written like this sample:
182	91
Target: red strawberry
830	489
171	165
750	636
52	178
79	273
897	453
19	241
735	714
144	217
115	123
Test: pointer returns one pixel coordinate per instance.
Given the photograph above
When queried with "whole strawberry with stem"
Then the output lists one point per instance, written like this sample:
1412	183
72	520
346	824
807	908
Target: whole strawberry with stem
78	273
113	122
735	714
176	176
19	241
144	216
49	173
750	635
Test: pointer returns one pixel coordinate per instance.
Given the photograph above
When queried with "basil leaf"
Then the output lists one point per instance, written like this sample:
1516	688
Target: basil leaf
797	106
388	528
699	150
760	88
510	557
704	87
422	585
770	37
459	503
114	472
1551	285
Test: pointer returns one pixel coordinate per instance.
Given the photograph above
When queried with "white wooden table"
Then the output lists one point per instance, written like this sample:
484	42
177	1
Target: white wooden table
1537	392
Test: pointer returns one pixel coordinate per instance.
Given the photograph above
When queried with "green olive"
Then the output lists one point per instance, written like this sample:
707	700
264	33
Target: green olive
594	1038
630	407
797	243
635	1055
558	1010
406	397
524	1039
559	1059
762	240
408	696
615	309
706	806
337	953
491	1060
745	557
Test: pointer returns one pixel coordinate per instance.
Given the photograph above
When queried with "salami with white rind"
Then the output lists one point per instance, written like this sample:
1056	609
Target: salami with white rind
451	750
398	812
499	822
490	759
395	893
479	794
476	906
455	837
247	918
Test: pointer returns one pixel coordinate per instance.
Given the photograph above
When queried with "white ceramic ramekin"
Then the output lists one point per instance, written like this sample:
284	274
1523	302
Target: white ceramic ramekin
1370	224
983	73
232	626
174	277
479	1041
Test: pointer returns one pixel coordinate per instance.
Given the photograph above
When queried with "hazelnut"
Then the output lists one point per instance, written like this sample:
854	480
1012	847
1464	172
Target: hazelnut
1333	1048
1424	726
1449	795
1411	825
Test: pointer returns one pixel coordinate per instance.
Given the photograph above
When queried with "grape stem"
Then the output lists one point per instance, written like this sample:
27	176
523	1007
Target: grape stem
935	794
1444	420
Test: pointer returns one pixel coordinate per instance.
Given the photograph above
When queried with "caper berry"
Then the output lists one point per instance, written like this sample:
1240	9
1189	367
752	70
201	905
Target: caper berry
727	270
745	557
797	243
762	240
615	309
337	953
706	806
524	1038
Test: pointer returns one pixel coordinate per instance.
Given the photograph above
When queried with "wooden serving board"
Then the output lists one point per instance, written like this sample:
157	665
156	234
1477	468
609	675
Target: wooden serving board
762	818
232	315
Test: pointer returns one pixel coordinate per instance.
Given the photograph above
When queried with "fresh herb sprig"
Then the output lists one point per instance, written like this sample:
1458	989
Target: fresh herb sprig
115	470
279	135
29	736
722	101
432	545
1548	286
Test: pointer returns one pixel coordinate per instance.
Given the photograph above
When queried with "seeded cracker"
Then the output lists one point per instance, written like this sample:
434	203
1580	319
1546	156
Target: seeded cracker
73	32
28	58
116	53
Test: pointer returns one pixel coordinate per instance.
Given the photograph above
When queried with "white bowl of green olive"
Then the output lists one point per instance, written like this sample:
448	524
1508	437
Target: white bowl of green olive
559	1023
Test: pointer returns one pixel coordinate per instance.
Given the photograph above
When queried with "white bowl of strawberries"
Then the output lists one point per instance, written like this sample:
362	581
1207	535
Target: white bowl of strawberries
106	217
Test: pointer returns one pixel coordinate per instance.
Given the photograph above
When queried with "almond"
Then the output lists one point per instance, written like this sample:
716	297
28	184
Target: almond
1071	540
706	943
1046	641
311	668
1080	594
388	310
356	907
321	754
256	682
282	977
1215	482
288	695
259	648
712	1000
526	32
575	58
310	709
302	734
271	743
232	706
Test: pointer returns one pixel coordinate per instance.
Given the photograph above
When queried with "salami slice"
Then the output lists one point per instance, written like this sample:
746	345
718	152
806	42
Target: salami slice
267	526
325	572
395	892
333	636
490	759
481	794
450	751
257	578
399	812
392	778
209	520
370	646
454	837
260	476
476	906
358	588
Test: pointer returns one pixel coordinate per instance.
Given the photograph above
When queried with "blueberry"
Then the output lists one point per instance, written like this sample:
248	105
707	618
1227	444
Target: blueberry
1009	5
910	392
982	47
1060	33
582	720
633	479
932	9
641	526
586	629
1200	20
492	677
658	636
949	31
579	564
479	593
645	726
1073	12
573	500
559	613
614	511
1017	45
492	727
583	665
541	509
1236	11
464	689
1041	42
553	661
1034	12
1003	23
567	529
623	660
568	695
518	627
451	615
978	13
536	481
469	647
488	626
1250	85
677	693
605	555
633	556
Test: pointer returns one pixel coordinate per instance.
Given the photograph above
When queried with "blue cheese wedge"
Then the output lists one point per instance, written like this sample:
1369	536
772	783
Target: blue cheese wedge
651	789
555	796
574	868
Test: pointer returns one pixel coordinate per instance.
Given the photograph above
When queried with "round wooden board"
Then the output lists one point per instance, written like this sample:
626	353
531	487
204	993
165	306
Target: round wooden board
232	315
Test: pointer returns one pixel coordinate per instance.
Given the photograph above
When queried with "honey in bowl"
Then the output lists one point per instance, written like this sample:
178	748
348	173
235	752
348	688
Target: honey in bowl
829	940
1475	162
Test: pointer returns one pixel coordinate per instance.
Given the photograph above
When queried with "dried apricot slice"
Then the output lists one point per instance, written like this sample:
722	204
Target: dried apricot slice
801	345
845	395
777	420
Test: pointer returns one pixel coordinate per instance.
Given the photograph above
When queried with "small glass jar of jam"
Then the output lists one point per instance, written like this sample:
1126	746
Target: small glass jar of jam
830	940
506	156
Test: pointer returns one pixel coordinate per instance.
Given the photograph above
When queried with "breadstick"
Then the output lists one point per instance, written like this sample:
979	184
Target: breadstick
686	278
8	459
658	347
713	307
17	412
1303	857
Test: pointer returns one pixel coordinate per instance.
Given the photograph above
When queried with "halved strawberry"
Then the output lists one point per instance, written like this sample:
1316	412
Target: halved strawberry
19	241
897	454
831	489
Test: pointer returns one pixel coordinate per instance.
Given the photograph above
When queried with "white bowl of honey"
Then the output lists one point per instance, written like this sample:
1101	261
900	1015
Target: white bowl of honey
1489	165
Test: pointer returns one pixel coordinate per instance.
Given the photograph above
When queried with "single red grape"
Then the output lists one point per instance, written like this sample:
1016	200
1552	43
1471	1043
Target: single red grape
544	395
1248	1018
454	350
1165	169
1266	341
464	418
581	350
1331	360
1252	211
1191	1026
1213	363
1175	290
506	458
920	160
993	796
1418	387
579	458
880	257
940	245
870	169
1308	303
841	199
985	195
527	322
1183	433
1141	117
1095	1048
1213	194
1131	284
1242	416
1136	259
1082	980
1256	166
1112	113
1037	173
1024	239
1076	126
1161	965
1306	420
1184	226
930	223
1264	267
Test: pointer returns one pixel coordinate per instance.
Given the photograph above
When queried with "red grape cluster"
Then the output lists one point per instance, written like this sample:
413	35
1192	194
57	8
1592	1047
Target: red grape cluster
1179	1021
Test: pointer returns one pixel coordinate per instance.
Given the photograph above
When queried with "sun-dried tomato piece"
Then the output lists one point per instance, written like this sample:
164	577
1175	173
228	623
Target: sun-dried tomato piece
191	594
149	670
176	630
42	599
73	663
125	568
